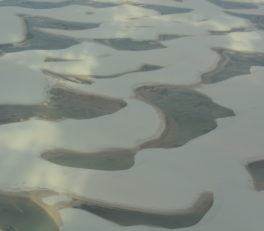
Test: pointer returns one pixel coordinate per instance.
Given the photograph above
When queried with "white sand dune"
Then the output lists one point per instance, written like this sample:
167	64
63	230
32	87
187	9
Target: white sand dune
161	179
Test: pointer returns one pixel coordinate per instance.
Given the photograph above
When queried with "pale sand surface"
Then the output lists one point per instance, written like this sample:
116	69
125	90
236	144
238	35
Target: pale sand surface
213	162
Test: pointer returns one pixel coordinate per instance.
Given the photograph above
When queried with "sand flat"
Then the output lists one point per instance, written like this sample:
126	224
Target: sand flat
158	180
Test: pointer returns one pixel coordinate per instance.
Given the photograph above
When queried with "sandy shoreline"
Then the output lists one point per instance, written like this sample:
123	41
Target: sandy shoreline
188	113
127	216
159	75
29	210
123	215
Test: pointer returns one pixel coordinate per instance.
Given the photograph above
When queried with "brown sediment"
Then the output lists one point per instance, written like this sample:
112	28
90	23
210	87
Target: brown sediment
127	216
188	113
109	160
256	170
232	63
63	103
25	211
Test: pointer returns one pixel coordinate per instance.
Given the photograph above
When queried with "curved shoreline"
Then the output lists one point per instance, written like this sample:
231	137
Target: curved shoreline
186	113
107	160
127	216
31	201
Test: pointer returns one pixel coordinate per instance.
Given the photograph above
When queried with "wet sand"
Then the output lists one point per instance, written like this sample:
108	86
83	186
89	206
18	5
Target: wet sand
256	170
126	216
232	63
24	211
63	103
110	159
187	113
